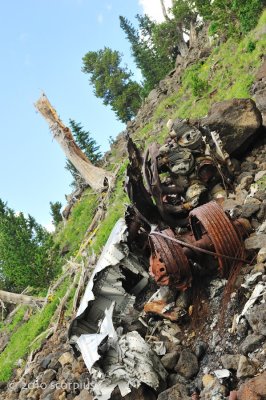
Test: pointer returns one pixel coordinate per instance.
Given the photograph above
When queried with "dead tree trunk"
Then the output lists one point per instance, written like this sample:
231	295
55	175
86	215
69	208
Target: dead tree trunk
15	298
181	43
164	10
94	176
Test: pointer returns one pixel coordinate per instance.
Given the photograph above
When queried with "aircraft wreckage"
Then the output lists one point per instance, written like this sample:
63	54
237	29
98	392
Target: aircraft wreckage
174	233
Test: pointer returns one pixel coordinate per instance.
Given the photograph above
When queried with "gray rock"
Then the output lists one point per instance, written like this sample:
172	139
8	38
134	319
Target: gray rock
257	319
246	181
251	343
249	209
84	395
230	361
169	360
3	385
245	368
261	257
213	390
48	376
46	361
237	122
260	195
256	242
173	379
259	175
48	393
248	166
187	364
66	358
200	349
261	213
176	392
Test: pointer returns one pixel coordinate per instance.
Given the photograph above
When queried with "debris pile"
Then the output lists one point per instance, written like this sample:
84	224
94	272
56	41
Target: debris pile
176	305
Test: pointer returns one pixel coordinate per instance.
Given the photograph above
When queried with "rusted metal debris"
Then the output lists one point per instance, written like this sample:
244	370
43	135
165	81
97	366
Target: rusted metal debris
176	228
177	188
173	261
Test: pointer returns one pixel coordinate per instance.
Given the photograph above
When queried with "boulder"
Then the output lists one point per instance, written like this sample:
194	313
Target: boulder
84	395
176	392
245	368
253	389
261	257
256	242
230	361
169	360
236	121
257	319
259	90
250	343
187	364
66	358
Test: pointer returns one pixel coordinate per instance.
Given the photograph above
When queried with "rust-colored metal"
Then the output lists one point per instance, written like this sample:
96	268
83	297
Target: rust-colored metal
172	258
206	170
213	233
158	307
211	219
158	270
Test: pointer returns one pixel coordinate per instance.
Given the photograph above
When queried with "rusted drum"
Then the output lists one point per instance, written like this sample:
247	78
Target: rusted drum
211	219
169	265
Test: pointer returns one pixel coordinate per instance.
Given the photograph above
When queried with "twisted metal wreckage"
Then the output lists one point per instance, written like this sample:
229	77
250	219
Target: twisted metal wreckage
176	228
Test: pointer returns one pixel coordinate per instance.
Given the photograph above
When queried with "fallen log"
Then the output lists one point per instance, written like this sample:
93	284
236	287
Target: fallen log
15	298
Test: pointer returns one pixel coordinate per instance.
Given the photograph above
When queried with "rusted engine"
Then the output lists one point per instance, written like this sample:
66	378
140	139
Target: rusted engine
175	260
176	191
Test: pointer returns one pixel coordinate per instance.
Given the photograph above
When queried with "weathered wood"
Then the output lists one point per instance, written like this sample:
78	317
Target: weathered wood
95	177
15	298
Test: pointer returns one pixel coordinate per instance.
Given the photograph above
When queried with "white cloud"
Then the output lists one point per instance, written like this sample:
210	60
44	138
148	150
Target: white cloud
49	227
153	8
100	18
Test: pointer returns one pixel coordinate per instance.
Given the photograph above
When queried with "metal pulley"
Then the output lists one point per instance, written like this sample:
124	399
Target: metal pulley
213	233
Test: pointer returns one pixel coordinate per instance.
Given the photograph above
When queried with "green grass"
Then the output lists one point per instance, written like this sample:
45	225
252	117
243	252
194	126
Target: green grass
116	210
227	73
81	216
18	317
19	343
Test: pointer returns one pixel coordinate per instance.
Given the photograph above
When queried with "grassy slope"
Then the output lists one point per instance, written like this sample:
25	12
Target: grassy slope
22	338
227	73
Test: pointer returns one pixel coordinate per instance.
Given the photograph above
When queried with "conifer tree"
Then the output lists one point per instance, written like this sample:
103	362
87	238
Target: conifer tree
113	83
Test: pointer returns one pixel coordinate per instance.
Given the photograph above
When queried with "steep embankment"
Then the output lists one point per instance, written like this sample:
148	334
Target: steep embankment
223	72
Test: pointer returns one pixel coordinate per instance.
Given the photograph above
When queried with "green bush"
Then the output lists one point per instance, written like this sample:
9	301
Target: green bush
251	46
198	85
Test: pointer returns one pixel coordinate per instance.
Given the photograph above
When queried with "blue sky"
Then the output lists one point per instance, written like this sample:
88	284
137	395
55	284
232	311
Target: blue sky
42	45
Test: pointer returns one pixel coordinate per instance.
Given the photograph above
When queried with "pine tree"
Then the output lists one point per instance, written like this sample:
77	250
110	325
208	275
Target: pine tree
55	212
27	253
151	55
113	83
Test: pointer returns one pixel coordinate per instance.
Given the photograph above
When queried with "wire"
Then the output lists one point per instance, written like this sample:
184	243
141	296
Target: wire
191	246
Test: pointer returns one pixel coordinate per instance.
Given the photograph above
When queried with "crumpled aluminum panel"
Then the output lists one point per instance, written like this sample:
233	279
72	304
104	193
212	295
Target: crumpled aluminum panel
126	360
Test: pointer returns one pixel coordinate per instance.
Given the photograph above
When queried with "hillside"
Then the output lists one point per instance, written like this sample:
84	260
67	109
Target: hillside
34	344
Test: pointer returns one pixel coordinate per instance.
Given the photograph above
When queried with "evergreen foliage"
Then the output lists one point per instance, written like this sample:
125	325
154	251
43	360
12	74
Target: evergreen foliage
153	56
55	212
112	83
27	254
227	18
